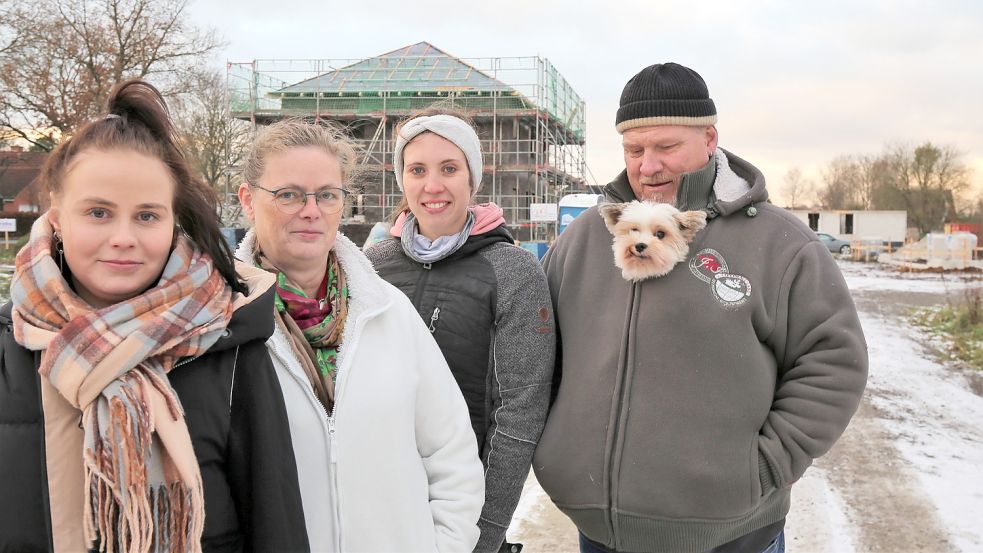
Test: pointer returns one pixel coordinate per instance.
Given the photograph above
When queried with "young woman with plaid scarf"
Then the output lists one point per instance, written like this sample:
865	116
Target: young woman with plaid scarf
385	453
139	411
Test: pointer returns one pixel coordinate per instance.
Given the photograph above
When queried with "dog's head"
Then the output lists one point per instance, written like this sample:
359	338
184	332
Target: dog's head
650	238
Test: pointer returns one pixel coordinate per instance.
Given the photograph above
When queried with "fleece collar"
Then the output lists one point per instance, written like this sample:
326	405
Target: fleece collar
369	296
737	184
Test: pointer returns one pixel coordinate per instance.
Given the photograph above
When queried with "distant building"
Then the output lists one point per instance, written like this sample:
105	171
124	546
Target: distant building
530	120
18	181
973	228
886	226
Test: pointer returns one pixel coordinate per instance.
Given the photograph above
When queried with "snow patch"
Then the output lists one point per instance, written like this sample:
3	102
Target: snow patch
872	277
935	422
817	522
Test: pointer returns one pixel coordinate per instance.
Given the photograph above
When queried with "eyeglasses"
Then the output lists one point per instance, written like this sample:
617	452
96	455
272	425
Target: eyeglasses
292	199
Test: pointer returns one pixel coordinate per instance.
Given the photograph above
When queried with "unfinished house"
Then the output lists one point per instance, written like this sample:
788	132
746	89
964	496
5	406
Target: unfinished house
530	121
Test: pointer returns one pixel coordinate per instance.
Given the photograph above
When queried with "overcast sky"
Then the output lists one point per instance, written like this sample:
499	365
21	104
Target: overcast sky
795	85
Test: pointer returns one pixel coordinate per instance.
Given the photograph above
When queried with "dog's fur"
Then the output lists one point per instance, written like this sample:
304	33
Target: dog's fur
650	238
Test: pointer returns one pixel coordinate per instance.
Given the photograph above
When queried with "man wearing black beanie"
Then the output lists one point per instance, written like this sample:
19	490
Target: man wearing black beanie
690	403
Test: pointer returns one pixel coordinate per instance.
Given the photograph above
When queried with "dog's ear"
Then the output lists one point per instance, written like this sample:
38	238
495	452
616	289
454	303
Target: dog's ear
690	222
611	214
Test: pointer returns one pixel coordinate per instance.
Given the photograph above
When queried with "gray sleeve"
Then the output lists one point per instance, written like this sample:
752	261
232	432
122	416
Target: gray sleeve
822	367
381	251
522	367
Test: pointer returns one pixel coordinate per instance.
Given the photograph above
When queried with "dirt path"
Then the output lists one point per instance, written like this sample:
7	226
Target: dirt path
904	477
884	504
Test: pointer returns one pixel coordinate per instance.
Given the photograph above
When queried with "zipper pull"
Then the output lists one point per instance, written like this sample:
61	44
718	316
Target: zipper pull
427	266
433	319
331	440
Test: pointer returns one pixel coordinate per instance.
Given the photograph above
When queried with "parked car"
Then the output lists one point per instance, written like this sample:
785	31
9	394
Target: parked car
834	244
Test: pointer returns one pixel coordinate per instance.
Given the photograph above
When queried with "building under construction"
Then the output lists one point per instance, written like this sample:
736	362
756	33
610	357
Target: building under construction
529	119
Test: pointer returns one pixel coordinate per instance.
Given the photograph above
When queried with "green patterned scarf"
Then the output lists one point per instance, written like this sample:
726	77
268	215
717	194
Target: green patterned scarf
314	324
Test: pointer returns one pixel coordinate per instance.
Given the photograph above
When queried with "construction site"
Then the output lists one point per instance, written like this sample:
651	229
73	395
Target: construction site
530	120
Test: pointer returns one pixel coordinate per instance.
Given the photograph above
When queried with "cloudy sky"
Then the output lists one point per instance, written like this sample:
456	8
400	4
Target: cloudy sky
795	85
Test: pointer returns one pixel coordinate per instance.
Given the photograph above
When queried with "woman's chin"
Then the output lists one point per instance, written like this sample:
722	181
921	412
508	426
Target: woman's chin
311	252
439	226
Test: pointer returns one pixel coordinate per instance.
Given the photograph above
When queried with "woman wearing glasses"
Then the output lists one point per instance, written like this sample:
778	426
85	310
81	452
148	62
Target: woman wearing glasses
385	454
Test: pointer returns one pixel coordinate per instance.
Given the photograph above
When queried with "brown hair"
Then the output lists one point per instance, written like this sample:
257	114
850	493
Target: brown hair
137	119
297	132
437	108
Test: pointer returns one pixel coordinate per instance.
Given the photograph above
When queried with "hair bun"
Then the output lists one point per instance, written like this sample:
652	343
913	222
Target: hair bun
138	101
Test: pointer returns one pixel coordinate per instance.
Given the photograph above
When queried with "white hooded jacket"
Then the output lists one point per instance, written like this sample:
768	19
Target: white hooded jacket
395	467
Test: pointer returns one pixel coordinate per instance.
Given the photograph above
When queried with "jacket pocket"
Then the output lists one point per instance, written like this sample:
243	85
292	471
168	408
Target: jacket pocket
765	475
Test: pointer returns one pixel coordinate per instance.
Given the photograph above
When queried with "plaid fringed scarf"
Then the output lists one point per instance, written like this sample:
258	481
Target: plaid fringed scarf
143	488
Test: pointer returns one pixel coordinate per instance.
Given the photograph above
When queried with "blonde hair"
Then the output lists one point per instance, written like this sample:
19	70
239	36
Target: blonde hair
299	133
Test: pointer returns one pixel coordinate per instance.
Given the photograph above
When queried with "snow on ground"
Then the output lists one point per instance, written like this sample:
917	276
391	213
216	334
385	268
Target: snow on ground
862	277
817	522
933	417
936	424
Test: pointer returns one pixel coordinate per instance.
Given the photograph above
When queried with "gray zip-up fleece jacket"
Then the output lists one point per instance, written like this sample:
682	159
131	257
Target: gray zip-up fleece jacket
690	403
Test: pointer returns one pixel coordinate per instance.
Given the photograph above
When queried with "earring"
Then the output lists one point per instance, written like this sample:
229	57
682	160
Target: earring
60	248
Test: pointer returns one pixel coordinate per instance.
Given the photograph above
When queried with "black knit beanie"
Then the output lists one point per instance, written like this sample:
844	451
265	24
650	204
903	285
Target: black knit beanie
665	94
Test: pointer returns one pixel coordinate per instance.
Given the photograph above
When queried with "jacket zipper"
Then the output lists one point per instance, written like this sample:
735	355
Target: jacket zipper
184	361
187	360
433	320
332	446
616	427
333	453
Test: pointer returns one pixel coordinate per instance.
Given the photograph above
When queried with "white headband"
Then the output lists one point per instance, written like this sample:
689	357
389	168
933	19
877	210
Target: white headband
449	127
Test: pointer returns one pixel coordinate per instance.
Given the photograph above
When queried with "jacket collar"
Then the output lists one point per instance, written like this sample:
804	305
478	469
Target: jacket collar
368	295
737	184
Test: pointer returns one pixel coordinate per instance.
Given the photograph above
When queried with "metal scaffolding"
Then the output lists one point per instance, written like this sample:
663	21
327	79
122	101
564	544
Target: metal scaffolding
530	121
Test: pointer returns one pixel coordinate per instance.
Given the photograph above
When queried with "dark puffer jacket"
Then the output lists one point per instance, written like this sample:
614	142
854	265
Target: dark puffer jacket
235	414
488	307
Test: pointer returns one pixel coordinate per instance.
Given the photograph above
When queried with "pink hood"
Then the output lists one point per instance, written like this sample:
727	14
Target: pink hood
486	217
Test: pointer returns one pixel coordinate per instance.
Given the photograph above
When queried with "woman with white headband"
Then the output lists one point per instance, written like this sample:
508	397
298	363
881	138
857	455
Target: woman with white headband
385	457
485	301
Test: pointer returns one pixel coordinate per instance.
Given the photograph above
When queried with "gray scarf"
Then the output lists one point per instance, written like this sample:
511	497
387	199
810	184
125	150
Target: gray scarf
422	250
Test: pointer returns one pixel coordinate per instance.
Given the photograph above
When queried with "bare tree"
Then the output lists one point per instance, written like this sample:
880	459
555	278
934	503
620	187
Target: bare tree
840	184
215	142
60	58
873	175
797	189
930	179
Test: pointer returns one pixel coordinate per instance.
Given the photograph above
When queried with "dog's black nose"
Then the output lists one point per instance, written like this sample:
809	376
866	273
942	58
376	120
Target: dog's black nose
640	247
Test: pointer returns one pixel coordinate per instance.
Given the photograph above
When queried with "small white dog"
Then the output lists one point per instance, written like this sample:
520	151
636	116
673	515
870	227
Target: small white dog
650	238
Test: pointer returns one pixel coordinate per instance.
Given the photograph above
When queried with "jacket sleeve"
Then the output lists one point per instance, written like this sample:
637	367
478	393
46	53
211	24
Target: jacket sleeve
262	471
447	446
821	356
553	265
25	524
522	367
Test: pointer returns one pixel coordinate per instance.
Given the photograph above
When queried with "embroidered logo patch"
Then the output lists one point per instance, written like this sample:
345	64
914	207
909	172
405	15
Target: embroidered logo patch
544	317
728	288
